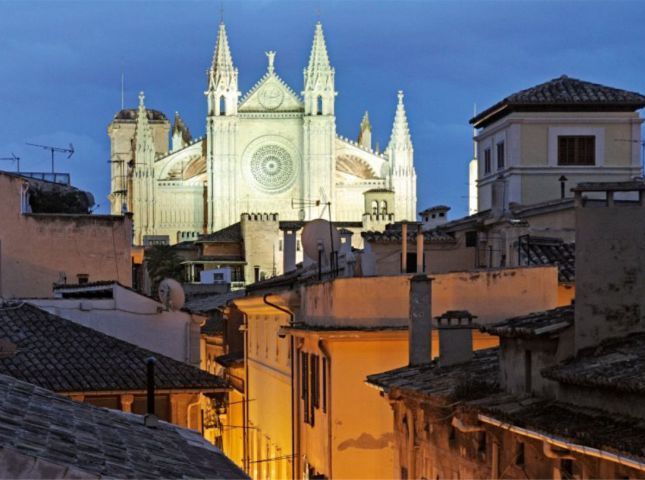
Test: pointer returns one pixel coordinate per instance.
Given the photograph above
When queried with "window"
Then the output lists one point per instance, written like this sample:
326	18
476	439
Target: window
319	105
471	238
304	384
383	207
297	245
487	160
315	384
577	150
222	105
83	278
566	468
500	155
374	207
519	453
528	371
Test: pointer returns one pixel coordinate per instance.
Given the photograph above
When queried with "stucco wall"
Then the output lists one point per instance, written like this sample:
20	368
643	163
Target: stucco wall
136	319
35	249
491	295
610	278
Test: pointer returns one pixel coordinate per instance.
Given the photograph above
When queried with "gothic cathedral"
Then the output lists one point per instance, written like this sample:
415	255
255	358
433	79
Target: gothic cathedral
270	151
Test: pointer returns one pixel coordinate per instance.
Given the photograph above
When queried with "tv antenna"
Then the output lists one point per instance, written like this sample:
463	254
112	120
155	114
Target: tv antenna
53	150
13	158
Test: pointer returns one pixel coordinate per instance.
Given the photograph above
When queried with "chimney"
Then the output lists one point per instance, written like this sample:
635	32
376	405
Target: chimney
150	420
420	331
289	253
404	248
345	240
455	337
420	240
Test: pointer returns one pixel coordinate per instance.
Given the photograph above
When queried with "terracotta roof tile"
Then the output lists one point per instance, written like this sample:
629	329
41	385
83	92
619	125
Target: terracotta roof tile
64	356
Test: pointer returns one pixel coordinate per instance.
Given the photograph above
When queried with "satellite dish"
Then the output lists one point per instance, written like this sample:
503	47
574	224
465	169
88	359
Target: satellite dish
171	294
319	233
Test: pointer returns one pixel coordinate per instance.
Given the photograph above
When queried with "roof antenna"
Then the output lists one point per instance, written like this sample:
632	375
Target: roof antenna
69	150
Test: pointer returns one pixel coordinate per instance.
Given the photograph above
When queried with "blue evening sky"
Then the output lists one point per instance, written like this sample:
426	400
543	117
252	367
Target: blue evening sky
61	64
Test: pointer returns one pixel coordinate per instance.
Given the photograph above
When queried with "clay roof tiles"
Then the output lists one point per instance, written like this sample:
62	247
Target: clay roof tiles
45	435
64	356
561	94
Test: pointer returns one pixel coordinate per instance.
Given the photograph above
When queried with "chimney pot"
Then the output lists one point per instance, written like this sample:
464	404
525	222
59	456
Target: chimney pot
455	337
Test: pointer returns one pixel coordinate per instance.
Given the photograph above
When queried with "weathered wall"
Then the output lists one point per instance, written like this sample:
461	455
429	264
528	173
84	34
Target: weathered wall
491	295
35	249
610	273
262	236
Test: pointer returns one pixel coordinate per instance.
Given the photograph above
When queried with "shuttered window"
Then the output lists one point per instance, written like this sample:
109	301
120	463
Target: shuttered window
577	150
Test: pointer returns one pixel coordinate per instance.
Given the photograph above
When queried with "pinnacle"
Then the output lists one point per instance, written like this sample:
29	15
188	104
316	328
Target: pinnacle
318	57
400	137
222	58
365	123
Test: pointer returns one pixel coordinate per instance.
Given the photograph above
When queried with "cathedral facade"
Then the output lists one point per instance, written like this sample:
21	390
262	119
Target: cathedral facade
271	150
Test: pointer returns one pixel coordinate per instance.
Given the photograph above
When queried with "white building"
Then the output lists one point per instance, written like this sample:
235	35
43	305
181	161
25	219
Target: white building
271	150
536	144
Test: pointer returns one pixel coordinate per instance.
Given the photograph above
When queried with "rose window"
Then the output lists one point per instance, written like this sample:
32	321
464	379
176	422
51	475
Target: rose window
272	167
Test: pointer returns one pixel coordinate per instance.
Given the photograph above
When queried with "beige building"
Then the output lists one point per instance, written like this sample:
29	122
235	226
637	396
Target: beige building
562	396
309	345
535	144
39	250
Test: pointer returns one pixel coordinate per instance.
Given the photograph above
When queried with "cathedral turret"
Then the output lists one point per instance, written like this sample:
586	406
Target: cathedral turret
143	176
180	134
221	135
403	177
222	89
365	133
319	93
319	133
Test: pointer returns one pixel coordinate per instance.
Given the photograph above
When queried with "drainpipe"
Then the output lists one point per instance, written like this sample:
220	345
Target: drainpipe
325	352
293	393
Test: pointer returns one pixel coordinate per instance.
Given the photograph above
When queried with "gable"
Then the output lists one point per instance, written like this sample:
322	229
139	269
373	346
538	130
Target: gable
271	94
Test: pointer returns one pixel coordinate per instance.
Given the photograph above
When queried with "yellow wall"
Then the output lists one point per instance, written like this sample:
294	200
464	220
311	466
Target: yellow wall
269	396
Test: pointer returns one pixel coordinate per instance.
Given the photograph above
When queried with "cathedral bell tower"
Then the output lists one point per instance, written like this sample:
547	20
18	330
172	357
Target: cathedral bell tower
221	135
143	176
403	178
319	126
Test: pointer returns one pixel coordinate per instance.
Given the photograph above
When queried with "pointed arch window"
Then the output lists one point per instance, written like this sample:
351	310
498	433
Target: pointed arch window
383	207
222	105
374	207
319	105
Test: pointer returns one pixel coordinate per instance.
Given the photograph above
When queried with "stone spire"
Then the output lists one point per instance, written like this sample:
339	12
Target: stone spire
144	139
365	133
222	78
400	139
319	78
180	134
222	65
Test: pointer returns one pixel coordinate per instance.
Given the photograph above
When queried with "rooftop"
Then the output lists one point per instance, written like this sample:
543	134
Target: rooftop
230	234
64	356
132	113
535	324
616	364
562	94
44	435
549	251
474	379
393	233
584	426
